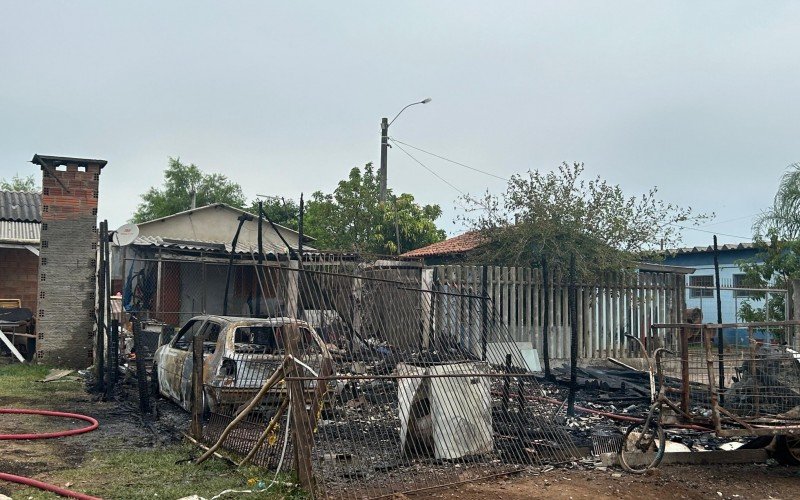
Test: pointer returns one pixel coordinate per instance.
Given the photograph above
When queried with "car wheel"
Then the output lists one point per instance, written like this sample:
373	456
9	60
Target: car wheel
787	450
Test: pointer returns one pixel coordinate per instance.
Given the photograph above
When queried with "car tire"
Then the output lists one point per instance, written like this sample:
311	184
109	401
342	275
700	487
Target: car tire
787	450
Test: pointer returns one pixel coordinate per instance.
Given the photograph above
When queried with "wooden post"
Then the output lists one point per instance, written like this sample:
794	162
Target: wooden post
302	431
196	428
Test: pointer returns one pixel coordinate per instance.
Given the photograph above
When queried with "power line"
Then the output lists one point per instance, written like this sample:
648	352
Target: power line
729	220
449	160
431	170
711	232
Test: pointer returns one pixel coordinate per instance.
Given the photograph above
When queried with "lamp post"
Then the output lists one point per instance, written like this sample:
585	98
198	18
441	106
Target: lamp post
385	123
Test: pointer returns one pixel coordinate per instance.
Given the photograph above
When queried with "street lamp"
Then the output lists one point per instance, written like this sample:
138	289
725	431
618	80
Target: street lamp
385	145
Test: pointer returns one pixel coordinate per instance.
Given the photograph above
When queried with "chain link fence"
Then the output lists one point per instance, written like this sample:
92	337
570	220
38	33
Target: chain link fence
342	371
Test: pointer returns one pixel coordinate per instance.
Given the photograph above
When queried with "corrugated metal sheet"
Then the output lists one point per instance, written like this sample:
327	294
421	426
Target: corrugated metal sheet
22	207
709	248
20	232
207	246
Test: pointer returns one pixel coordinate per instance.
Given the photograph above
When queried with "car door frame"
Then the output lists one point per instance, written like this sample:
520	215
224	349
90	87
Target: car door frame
188	362
170	367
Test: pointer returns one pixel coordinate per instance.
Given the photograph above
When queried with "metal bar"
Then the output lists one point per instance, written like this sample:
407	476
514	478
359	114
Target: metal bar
573	345
141	372
498	375
484	311
736	288
684	334
436	292
100	346
159	280
720	340
506	384
755	324
546	321
111	366
259	297
712	384
242	218
196	427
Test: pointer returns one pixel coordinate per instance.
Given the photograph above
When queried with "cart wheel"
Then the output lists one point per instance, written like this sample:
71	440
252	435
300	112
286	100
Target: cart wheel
640	439
787	450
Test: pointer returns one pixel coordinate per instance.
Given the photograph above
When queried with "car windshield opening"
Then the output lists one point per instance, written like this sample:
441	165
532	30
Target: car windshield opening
258	339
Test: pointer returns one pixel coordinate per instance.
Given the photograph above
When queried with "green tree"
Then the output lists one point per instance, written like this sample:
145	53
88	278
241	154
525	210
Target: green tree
776	265
26	184
782	220
280	210
776	234
352	218
180	180
554	214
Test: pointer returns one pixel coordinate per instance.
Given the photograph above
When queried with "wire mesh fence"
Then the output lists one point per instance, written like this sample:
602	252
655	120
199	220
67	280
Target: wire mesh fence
356	384
743	379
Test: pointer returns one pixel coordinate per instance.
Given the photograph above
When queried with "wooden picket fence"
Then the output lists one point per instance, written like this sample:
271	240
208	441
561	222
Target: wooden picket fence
617	305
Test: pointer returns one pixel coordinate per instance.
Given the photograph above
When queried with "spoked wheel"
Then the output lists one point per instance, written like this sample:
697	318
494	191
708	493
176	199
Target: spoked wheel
642	447
787	450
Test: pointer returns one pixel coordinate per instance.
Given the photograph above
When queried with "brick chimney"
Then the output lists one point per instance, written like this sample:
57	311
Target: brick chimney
65	316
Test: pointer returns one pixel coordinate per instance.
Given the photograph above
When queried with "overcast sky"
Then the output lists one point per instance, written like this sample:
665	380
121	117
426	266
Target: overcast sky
699	99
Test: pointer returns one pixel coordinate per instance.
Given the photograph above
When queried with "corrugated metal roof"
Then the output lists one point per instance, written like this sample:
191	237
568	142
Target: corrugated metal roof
20	232
19	206
208	246
710	248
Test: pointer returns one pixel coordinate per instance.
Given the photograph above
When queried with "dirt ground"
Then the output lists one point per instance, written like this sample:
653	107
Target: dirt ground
751	481
121	428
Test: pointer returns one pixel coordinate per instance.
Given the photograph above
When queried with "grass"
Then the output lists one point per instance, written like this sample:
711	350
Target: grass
111	469
19	385
153	473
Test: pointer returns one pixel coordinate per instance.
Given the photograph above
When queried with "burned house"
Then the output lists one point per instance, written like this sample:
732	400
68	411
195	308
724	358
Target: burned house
177	267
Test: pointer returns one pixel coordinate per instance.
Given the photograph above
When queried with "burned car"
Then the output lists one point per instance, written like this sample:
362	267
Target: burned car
239	355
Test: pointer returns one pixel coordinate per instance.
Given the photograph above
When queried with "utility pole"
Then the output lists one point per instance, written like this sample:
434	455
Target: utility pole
384	152
385	123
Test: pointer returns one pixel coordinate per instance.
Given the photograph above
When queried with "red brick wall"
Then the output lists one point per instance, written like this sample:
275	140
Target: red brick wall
68	252
19	276
81	199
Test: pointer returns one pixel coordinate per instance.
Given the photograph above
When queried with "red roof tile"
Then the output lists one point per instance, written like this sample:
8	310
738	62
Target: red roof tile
457	244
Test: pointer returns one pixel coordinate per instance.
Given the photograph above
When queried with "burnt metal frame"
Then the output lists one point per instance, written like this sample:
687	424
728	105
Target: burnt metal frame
781	427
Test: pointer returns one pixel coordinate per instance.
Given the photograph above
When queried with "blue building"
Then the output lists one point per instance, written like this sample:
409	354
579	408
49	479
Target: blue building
700	285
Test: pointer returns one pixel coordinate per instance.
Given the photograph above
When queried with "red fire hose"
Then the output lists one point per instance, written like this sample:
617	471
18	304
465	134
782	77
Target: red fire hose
48	435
